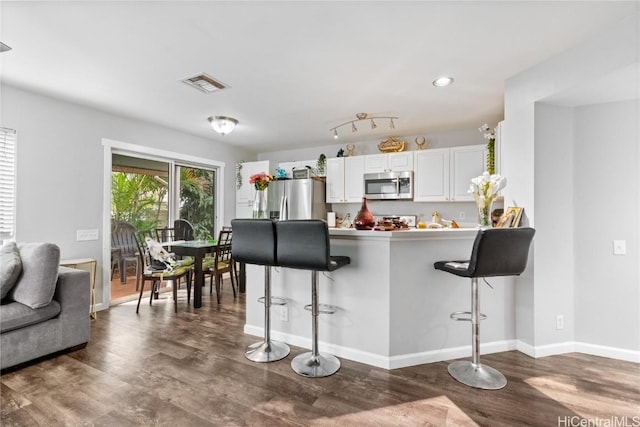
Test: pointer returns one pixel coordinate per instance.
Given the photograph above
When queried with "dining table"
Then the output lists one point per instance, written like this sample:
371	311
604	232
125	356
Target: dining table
197	249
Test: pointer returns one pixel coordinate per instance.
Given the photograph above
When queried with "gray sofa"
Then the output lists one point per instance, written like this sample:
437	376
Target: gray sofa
44	307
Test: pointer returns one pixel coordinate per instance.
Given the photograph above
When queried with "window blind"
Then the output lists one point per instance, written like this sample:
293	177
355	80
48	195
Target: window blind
7	182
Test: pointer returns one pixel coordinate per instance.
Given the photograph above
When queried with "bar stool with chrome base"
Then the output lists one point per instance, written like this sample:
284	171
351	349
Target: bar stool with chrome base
254	242
304	244
496	252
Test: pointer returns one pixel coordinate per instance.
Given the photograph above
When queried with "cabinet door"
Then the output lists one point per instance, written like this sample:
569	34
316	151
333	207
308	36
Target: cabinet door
466	163
376	163
400	162
246	192
353	178
335	180
431	175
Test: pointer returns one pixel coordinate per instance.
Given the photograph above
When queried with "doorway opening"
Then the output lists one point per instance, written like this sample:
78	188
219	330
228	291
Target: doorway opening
148	195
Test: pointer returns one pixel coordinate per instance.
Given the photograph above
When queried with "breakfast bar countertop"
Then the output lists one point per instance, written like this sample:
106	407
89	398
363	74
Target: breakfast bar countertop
392	305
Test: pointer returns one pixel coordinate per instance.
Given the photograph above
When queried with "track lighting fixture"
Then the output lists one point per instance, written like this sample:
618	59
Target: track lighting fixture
360	117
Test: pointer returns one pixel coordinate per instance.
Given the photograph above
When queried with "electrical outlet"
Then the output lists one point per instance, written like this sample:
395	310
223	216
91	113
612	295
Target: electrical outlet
619	247
284	313
559	322
461	215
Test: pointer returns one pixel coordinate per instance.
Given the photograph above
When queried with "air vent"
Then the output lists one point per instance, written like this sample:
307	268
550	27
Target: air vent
205	83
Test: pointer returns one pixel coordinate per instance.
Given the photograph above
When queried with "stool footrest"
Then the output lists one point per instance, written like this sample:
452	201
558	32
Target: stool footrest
323	308
464	316
274	301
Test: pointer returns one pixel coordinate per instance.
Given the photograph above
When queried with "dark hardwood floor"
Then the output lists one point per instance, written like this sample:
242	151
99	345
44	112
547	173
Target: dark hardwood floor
188	369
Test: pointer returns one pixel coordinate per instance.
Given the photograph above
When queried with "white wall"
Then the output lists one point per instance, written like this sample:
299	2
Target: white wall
557	161
606	199
60	166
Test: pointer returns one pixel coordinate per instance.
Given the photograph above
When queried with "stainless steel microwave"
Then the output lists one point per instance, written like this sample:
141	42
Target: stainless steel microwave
389	185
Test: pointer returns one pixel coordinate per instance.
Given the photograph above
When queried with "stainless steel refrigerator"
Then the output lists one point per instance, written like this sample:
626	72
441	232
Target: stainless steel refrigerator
297	199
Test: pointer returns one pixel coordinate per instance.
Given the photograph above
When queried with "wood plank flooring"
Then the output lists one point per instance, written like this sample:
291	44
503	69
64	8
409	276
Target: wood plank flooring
188	369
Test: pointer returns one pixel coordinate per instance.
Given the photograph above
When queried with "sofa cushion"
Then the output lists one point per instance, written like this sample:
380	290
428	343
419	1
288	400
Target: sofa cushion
37	283
10	267
14	315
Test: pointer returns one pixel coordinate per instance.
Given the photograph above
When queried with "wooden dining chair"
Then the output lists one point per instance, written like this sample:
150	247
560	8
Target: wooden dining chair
183	230
223	263
157	277
123	239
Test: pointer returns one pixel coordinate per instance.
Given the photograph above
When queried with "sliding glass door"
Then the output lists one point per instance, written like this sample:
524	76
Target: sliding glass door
148	194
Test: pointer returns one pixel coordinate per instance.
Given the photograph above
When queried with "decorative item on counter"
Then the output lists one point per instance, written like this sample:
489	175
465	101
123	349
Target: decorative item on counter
496	214
420	142
321	165
260	181
485	189
454	224
435	217
391	145
281	173
346	222
340	153
491	147
351	149
511	218
364	220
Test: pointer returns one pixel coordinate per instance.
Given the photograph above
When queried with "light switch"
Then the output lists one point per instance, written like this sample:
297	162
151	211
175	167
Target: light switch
619	247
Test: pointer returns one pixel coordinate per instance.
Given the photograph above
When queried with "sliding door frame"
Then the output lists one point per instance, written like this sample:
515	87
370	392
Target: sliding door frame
111	147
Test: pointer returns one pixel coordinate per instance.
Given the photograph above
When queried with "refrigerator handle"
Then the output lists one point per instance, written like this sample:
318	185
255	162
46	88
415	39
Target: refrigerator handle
284	208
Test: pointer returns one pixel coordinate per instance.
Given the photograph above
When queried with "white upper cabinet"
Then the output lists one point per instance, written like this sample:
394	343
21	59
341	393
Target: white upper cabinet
397	162
335	180
400	162
344	179
466	163
353	178
431	175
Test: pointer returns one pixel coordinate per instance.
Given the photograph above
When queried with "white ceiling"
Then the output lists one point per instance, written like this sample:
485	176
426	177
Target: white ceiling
295	69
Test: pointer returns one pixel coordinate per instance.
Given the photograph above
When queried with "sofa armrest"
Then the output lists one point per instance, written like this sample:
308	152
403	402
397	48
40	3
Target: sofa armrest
73	292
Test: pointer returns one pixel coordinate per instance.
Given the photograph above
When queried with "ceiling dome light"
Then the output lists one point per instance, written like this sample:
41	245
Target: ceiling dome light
443	81
223	125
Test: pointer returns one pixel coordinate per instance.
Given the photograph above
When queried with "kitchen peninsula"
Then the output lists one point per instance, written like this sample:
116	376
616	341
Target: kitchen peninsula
392	306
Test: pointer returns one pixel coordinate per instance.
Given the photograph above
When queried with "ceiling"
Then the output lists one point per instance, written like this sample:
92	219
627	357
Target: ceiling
295	68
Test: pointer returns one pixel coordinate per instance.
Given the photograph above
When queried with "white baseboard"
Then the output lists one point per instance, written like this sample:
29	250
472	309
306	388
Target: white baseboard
579	347
413	359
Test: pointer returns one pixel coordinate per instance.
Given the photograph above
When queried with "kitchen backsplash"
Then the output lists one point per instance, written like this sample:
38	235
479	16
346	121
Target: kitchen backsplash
423	211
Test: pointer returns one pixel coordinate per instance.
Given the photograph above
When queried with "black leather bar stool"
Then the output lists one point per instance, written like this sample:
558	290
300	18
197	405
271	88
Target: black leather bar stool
496	252
304	245
254	242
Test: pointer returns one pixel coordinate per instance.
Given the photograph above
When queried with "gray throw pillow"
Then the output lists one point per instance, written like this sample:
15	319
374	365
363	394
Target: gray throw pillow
36	285
10	267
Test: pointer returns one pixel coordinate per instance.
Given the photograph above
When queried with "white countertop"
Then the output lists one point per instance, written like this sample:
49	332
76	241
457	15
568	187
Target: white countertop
410	234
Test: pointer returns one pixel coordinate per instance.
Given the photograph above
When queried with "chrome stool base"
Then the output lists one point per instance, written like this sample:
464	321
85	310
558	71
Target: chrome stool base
264	351
322	365
477	375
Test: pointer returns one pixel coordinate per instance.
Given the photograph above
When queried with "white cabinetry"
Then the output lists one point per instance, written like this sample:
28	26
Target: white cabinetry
246	192
431	175
398	162
466	163
344	179
444	174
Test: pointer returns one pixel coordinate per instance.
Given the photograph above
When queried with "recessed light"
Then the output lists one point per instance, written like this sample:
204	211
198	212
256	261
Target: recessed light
443	81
